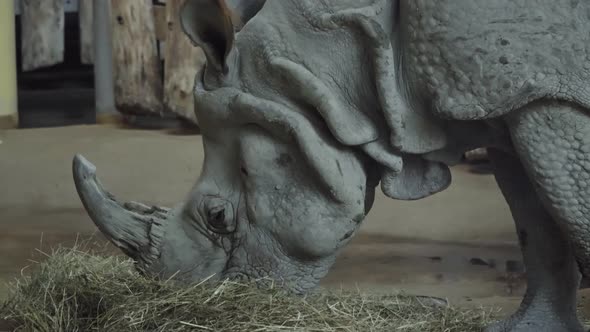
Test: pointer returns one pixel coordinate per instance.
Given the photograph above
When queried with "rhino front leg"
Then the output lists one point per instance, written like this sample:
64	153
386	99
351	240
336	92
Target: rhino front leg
552	274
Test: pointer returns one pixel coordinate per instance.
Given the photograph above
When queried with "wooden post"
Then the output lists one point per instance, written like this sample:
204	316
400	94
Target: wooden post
137	67
8	86
42	26
182	61
104	95
86	31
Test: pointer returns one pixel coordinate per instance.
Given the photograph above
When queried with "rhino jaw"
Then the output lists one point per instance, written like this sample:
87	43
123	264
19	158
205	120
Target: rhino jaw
134	228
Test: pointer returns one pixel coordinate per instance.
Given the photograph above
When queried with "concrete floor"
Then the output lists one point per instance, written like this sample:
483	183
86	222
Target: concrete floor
35	167
454	244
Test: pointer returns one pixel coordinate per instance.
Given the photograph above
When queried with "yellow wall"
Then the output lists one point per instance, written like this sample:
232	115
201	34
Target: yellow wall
8	92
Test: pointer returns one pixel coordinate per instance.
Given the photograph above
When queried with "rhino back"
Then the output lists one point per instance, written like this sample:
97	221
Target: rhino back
475	59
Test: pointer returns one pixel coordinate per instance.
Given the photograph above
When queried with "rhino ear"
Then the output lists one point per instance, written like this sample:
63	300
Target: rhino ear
244	10
209	25
212	24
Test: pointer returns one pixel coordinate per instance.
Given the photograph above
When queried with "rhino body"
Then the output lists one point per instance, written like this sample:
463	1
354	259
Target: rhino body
307	106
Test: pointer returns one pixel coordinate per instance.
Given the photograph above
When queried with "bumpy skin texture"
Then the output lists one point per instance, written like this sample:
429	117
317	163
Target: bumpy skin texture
480	59
313	103
553	140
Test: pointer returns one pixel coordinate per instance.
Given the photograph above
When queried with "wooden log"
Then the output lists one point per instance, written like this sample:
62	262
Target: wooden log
182	61
137	68
86	31
42	26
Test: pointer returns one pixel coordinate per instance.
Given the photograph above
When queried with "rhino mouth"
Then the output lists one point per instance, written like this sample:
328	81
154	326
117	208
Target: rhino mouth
135	228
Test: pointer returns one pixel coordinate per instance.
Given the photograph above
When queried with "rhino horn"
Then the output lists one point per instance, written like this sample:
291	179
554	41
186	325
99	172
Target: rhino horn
129	226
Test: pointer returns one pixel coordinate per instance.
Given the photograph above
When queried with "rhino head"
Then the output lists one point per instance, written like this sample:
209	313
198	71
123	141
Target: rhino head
291	159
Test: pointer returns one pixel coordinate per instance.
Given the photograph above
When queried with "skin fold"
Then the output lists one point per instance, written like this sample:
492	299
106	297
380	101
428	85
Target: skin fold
306	107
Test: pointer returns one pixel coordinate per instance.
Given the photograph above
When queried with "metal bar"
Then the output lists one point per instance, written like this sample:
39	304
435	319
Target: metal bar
103	63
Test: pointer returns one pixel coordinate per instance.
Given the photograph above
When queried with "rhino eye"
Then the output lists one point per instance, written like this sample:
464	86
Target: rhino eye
216	217
219	215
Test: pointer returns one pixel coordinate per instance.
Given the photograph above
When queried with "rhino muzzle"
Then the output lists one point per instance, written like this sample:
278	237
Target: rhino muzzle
135	228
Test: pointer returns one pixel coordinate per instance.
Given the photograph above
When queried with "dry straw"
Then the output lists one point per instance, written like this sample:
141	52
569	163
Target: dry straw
80	290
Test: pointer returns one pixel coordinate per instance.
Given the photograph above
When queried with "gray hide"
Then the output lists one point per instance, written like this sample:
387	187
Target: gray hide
306	106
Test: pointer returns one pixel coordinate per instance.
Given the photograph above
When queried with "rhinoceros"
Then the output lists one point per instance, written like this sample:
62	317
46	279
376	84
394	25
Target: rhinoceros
306	107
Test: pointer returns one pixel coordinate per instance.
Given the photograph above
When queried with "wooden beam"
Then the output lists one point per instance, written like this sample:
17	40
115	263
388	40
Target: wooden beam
137	67
182	62
8	87
42	26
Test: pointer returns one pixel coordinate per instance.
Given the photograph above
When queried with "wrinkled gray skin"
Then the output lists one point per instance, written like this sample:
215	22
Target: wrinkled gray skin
307	105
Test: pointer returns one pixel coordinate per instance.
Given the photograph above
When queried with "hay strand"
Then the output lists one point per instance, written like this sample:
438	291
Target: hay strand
76	290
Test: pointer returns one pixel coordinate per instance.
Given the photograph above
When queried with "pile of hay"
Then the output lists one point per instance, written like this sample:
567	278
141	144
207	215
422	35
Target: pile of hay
75	290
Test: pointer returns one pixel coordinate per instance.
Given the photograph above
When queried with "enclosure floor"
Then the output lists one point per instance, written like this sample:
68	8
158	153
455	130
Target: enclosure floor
454	244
